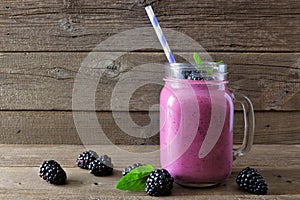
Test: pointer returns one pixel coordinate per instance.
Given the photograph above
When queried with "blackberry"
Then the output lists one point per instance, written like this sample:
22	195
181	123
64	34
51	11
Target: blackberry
195	75
159	183
198	75
102	166
52	172
84	159
128	169
185	74
250	180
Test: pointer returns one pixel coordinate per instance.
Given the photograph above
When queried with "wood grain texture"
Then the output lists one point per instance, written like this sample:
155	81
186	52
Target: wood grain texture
279	165
45	81
45	43
16	155
80	25
25	183
57	127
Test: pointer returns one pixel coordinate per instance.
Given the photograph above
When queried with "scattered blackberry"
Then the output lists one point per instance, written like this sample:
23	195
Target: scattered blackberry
52	172
102	166
250	180
159	183
84	159
128	169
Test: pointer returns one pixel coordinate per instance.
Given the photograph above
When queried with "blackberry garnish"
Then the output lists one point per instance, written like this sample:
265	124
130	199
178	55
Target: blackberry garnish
128	169
84	159
195	75
250	180
102	166
52	172
159	183
185	74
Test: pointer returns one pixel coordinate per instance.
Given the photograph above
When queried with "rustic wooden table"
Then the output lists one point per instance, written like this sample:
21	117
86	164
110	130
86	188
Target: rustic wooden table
279	164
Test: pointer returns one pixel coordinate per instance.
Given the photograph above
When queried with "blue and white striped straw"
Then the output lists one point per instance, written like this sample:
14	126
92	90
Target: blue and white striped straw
160	34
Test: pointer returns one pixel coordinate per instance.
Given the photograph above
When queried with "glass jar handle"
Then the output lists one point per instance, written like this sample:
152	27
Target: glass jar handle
249	125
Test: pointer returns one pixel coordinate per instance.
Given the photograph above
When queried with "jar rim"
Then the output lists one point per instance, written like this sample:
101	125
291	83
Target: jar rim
191	64
222	67
206	71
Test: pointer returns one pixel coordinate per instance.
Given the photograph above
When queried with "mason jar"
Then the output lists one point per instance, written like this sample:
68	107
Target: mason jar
196	124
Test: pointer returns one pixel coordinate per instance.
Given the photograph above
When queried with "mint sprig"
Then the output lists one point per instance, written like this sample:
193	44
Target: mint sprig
136	179
197	59
199	62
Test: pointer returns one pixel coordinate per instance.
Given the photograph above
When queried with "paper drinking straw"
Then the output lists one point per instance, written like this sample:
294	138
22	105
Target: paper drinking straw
160	34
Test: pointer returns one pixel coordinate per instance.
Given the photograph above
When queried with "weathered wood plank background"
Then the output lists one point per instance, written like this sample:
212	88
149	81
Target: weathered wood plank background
43	44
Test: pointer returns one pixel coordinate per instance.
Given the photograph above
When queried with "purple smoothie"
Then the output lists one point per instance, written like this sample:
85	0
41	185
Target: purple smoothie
196	131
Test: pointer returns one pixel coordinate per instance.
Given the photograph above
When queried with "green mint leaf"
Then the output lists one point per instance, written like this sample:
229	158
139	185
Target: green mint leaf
197	59
220	62
135	179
